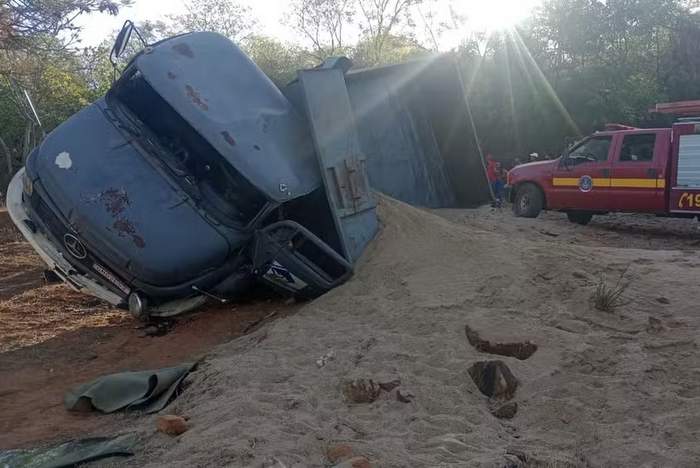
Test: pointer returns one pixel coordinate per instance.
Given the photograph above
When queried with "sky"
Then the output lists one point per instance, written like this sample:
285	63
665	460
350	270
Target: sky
482	15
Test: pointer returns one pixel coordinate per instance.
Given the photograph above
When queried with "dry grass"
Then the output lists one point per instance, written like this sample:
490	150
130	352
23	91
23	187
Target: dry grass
608	298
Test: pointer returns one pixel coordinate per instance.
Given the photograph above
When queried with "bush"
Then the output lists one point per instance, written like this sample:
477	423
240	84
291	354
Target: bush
609	298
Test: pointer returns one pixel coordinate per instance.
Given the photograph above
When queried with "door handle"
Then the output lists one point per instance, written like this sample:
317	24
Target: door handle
605	172
652	173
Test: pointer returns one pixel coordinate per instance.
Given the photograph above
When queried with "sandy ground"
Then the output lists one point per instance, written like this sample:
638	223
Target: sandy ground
602	389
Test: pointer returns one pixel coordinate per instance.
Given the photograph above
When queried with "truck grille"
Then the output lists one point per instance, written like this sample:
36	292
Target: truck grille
57	229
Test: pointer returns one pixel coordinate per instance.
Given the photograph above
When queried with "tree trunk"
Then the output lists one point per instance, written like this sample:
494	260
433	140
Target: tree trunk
8	158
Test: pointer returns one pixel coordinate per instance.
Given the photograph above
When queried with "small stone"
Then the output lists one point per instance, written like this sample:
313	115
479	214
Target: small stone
663	300
389	386
494	379
357	462
325	359
171	424
404	397
654	326
361	391
506	411
338	453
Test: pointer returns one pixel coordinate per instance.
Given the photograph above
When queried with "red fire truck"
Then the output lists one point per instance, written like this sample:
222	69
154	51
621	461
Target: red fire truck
620	169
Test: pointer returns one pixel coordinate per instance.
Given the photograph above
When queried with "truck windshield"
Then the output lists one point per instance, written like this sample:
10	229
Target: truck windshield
594	149
226	193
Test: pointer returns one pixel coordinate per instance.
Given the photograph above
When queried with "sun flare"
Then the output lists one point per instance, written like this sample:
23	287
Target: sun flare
494	15
484	17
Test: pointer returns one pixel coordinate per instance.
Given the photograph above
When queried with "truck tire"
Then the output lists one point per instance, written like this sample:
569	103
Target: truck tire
579	217
528	201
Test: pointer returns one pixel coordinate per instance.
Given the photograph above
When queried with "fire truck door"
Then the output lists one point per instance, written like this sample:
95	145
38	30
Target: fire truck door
638	172
582	179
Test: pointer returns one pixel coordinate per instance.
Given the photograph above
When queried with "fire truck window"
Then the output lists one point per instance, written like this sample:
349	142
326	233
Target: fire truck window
638	148
593	150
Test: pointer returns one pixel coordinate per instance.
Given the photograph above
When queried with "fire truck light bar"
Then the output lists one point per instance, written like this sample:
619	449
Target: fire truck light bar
680	108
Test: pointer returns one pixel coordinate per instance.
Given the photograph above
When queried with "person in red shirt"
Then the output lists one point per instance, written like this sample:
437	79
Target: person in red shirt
493	174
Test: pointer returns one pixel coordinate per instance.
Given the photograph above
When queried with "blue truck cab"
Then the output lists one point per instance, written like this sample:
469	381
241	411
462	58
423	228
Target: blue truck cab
191	177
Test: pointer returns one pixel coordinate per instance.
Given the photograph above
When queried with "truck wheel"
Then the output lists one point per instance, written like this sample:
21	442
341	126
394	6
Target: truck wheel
528	202
579	217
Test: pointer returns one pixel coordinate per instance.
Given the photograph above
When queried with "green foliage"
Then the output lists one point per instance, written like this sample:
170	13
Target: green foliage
23	21
227	17
279	61
395	49
578	64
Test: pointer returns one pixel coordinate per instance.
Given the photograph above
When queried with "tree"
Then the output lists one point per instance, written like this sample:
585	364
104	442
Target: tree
279	61
396	49
36	55
323	23
227	17
380	20
23	21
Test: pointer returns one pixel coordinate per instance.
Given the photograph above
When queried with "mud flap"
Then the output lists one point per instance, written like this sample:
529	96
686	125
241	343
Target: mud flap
340	158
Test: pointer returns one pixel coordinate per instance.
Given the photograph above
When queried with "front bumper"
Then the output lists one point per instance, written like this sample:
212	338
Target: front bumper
47	251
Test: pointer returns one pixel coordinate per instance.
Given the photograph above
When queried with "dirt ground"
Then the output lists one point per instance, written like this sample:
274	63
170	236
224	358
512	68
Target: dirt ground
52	338
613	388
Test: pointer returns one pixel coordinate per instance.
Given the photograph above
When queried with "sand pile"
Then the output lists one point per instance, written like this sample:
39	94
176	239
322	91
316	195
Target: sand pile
601	388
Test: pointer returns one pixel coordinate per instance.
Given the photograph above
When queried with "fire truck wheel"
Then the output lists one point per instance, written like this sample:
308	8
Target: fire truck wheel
579	217
528	201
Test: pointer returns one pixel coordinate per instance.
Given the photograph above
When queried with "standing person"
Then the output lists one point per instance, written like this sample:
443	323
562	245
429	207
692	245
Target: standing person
493	173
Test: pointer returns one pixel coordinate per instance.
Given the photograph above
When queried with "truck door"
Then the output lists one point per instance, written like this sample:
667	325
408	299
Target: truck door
638	171
581	181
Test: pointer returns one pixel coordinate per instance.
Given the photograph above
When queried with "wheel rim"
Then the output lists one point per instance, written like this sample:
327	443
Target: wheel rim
524	203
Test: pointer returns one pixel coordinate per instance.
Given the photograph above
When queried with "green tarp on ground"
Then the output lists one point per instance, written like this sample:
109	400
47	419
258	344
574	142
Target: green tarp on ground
148	391
70	453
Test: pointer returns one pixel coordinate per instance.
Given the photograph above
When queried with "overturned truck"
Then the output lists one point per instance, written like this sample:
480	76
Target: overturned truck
195	176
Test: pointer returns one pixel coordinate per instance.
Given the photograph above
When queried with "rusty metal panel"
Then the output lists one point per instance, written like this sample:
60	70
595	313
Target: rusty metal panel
340	156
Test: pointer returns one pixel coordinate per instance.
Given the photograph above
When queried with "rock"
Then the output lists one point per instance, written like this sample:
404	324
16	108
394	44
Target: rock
519	350
361	391
325	359
356	462
506	411
663	300
171	424
494	379
338	453
389	386
654	326
404	397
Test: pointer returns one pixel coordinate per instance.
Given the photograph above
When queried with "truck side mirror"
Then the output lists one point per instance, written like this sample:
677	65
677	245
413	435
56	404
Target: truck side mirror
121	42
564	161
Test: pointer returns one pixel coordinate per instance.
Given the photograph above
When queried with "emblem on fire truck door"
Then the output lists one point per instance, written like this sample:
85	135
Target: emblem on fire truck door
585	183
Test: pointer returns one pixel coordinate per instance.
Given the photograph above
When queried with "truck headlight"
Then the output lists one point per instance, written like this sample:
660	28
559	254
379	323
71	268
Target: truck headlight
27	185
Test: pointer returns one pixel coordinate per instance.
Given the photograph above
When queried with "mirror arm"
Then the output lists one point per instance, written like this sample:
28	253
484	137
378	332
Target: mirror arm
138	33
